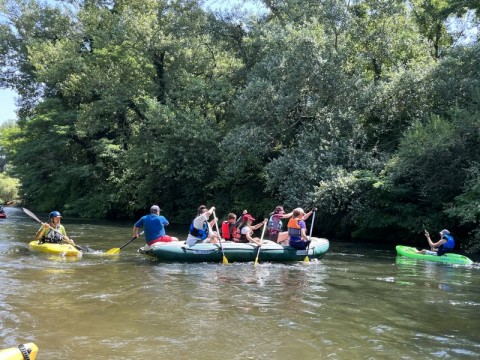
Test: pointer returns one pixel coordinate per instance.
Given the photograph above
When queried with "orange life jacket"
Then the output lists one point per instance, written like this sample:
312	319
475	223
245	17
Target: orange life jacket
294	229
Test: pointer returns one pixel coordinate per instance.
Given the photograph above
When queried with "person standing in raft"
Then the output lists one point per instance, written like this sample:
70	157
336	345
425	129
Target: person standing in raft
247	230
445	245
200	229
297	230
230	227
154	227
53	231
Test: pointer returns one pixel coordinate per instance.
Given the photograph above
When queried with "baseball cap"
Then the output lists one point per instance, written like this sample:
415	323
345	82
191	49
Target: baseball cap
155	208
247	217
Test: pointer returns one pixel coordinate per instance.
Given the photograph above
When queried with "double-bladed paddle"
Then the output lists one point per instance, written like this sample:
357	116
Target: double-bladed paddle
33	216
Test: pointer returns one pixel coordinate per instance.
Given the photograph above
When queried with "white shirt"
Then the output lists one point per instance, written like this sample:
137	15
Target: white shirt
197	224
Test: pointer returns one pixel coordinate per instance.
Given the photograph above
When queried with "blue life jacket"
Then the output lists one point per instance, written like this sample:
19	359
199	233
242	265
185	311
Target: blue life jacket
274	224
201	234
450	244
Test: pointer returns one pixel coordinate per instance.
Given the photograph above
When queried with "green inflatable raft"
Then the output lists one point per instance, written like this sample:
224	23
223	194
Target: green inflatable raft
449	258
235	252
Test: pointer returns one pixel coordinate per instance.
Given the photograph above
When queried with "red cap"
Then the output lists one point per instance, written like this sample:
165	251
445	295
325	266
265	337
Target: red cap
247	217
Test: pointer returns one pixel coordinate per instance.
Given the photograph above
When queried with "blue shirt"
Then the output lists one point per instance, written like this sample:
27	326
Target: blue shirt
154	226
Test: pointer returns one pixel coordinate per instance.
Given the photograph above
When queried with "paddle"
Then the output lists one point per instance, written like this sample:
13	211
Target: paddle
224	258
115	251
261	241
310	238
33	216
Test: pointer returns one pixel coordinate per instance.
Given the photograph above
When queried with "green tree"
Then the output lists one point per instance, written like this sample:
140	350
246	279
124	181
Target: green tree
8	188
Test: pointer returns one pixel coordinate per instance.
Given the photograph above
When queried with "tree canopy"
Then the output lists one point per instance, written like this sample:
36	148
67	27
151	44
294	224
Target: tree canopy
367	110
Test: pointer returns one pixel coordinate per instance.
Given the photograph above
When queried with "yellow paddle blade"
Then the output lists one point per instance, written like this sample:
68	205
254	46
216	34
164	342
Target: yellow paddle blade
256	262
306	259
225	260
113	251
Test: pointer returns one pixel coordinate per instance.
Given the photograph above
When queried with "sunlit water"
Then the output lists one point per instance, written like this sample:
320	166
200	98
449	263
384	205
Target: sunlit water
358	302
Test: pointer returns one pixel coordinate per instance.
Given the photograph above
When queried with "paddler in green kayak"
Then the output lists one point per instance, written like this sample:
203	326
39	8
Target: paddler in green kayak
53	232
445	245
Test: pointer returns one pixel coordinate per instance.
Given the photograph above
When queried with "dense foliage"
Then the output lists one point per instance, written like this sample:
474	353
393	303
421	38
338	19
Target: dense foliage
368	110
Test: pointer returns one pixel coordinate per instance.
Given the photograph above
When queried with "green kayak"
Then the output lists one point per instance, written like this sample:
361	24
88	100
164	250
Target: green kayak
449	258
235	252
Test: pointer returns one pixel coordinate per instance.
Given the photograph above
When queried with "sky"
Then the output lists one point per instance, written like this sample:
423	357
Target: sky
7	105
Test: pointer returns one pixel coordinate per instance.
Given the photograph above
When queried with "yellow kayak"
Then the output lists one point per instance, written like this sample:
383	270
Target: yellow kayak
55	249
21	352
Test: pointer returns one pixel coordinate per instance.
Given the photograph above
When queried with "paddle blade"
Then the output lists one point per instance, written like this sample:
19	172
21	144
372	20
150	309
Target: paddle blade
225	260
256	262
306	259
113	251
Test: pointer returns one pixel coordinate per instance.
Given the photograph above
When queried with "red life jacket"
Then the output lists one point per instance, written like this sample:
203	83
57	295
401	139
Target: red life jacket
226	231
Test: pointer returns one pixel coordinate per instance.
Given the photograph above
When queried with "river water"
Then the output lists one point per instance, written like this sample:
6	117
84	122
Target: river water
358	302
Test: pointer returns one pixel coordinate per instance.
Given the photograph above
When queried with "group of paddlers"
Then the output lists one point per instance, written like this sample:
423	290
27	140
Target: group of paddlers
237	230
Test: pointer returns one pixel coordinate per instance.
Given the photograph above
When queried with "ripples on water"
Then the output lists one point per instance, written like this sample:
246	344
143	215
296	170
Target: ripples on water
358	302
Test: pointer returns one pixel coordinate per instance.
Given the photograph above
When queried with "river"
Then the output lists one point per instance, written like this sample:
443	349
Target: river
358	302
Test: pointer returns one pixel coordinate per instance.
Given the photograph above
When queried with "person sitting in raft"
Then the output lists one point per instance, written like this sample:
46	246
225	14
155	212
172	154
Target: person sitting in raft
247	230
52	231
154	227
230	227
284	237
200	229
297	230
445	245
275	225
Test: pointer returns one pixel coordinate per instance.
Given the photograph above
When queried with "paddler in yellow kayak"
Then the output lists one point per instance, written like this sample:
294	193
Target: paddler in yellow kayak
53	232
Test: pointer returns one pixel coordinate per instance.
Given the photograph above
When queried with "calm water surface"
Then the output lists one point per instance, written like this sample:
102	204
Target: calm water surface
358	302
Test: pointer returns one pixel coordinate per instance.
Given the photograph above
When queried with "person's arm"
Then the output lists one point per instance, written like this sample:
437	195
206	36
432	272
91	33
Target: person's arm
209	212
307	215
304	234
248	234
439	242
286	216
41	231
136	226
65	238
259	225
135	232
431	243
165	221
